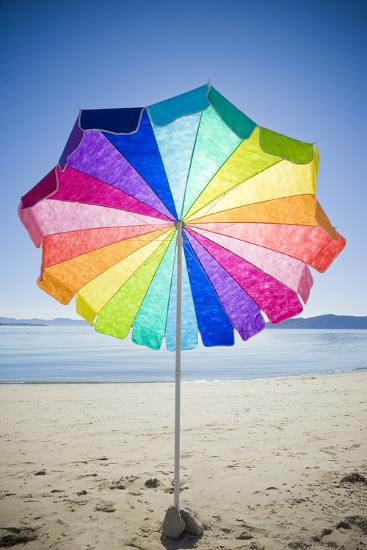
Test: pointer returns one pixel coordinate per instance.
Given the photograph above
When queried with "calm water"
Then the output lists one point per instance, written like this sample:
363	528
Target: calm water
81	354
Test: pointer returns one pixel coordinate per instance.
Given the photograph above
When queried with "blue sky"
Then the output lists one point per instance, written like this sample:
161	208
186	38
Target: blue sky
295	67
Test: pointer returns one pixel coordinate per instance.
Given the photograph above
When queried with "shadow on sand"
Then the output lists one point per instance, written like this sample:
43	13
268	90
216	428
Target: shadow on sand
184	541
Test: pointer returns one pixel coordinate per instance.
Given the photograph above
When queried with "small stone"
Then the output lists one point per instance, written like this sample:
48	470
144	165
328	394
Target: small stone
82	492
41	473
173	524
152	483
326	532
244	536
343	524
104	506
117	485
359	521
192	521
17	535
354	477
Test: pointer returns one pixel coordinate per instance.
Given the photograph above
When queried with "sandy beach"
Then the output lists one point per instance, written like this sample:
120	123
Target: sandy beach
89	466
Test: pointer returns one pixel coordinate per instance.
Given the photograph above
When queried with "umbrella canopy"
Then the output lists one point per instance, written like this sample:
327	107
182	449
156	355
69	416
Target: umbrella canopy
106	217
134	187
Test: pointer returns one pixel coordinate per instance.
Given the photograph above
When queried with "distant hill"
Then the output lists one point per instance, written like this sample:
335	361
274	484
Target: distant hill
329	321
59	321
20	324
321	322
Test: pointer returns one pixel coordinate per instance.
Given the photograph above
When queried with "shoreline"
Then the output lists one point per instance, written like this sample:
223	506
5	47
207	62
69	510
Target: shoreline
357	370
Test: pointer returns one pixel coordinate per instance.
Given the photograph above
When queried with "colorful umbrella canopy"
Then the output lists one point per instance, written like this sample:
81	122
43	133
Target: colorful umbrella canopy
106	219
134	187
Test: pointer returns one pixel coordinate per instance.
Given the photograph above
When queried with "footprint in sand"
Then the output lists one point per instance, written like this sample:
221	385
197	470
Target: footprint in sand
152	483
121	483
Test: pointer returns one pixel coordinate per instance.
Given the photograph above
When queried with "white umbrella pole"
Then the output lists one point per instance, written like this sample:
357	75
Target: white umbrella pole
178	367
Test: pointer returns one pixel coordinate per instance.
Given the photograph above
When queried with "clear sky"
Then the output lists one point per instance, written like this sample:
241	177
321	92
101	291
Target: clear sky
295	67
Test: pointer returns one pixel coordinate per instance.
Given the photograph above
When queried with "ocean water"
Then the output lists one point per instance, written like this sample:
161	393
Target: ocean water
71	354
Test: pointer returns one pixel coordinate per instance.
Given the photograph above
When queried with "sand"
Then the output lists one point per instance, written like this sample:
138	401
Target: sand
89	466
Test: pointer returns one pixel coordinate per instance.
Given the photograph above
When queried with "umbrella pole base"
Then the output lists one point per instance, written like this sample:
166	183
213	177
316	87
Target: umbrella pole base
178	522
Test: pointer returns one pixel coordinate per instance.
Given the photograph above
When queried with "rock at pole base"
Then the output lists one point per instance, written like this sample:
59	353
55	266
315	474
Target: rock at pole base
173	524
192	521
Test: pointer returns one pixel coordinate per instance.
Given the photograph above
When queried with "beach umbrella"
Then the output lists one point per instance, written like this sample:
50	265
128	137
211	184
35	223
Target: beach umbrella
180	218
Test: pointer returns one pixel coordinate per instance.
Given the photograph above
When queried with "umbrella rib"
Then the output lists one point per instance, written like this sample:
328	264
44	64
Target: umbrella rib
134	214
146	292
190	165
216	262
106	227
188	222
169	292
268	247
154	228
170	289
281	159
143	179
121	191
150	258
218	169
51	216
234	280
264	269
271	276
240	257
217	199
110	144
136	250
216	172
201	267
50	270
130	239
